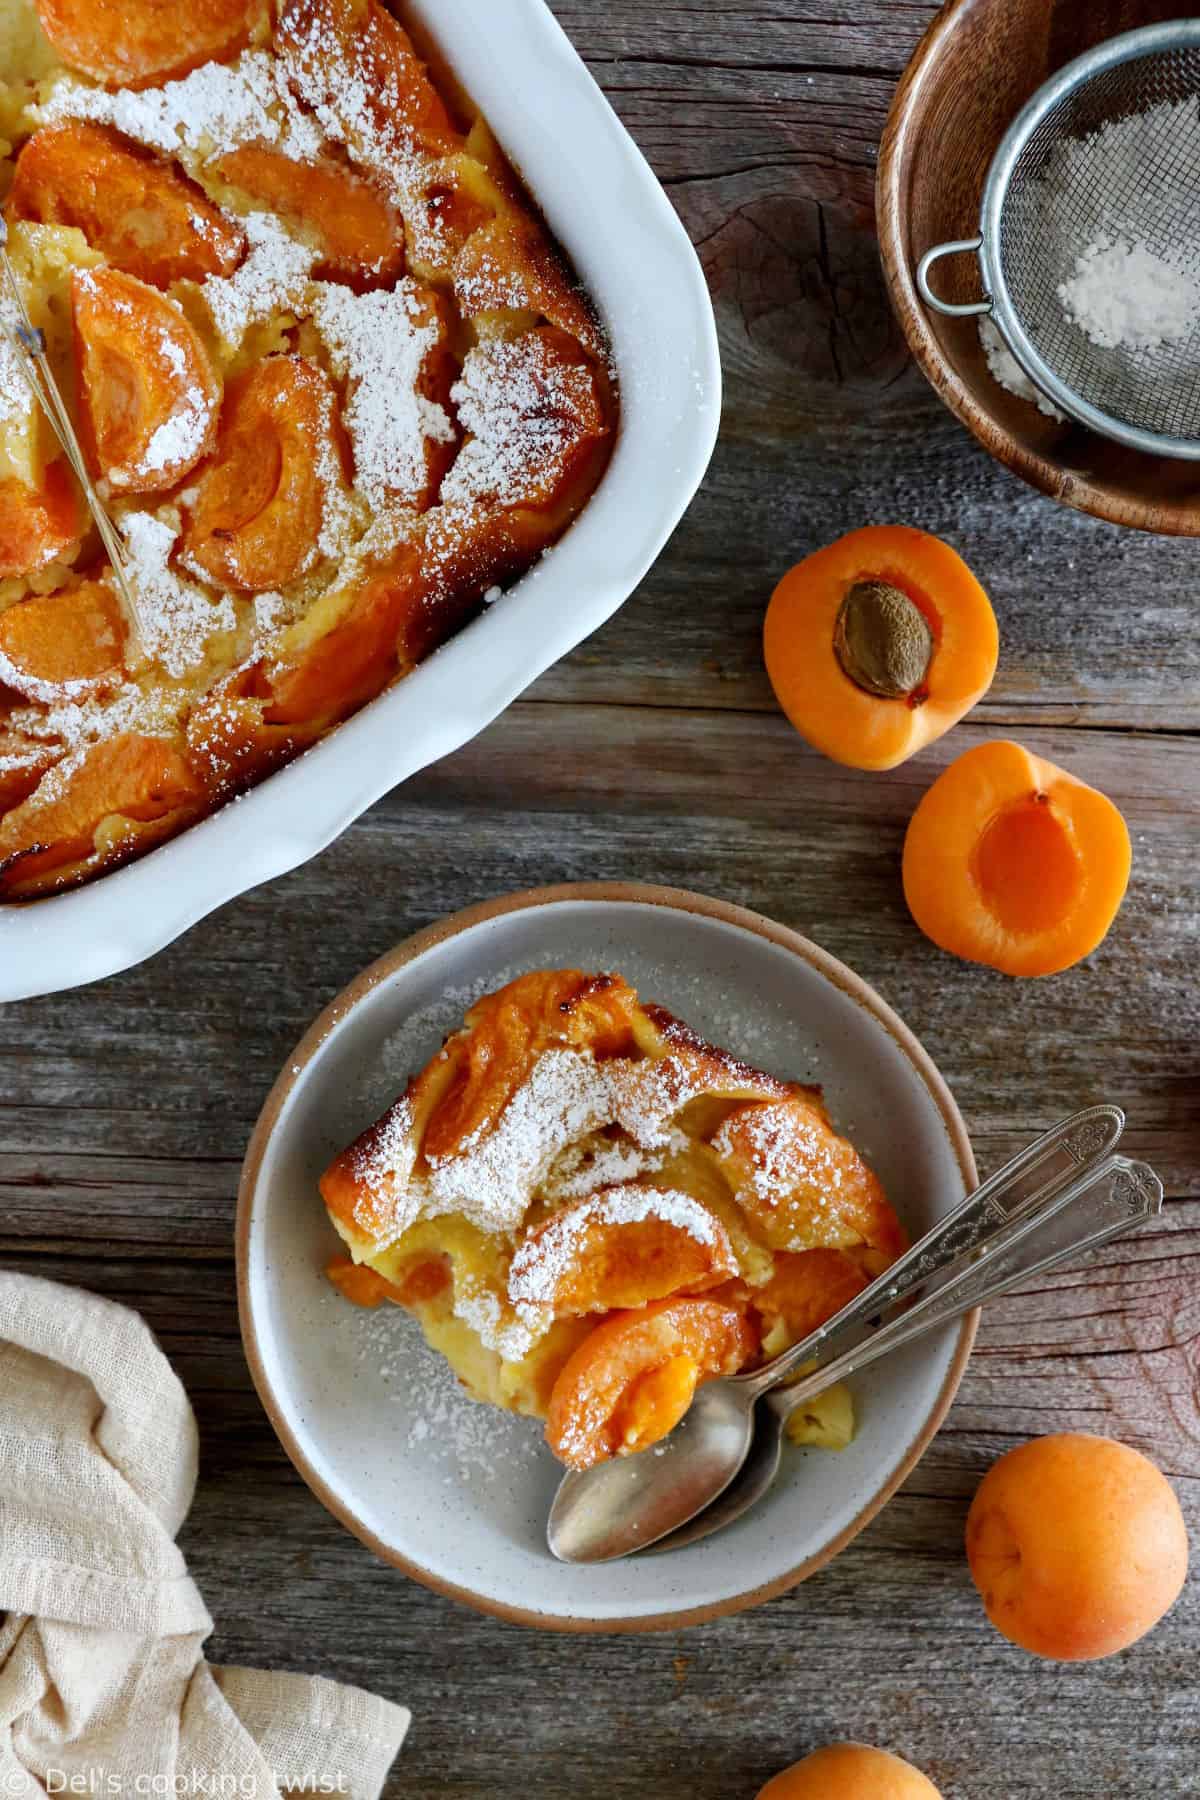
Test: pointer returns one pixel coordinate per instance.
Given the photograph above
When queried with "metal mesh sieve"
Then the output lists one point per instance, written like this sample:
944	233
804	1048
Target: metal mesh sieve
1054	190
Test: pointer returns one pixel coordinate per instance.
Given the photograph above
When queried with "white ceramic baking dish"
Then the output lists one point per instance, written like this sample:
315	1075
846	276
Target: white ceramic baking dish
607	209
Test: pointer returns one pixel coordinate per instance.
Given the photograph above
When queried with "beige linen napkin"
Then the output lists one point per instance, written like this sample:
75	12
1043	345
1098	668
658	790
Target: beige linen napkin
103	1688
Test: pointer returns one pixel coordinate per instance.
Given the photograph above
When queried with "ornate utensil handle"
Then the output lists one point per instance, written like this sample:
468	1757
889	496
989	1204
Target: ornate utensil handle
1100	1204
1035	1176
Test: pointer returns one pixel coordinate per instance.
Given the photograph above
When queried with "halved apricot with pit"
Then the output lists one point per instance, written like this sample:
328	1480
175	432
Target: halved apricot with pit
878	644
804	1185
142	213
38	524
148	394
361	237
129	777
632	1379
355	65
56	645
262	502
133	43
1014	862
619	1248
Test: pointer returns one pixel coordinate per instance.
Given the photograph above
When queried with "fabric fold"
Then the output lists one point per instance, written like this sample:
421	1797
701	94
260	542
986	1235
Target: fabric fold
104	1689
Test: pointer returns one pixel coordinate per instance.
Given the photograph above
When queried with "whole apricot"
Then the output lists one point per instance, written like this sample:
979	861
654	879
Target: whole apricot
1077	1546
850	1772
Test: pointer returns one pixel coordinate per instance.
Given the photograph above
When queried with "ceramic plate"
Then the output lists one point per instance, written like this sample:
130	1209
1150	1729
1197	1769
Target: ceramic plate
457	1493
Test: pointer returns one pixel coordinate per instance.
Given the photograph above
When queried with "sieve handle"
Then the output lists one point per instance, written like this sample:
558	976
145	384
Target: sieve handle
956	247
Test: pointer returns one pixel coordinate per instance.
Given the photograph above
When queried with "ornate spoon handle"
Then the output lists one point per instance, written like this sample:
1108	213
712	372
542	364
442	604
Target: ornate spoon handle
1102	1203
1033	1178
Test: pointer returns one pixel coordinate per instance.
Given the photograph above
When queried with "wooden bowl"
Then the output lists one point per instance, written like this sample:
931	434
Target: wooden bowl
976	66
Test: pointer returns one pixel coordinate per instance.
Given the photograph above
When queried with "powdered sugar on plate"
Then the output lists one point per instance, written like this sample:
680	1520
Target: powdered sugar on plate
435	1412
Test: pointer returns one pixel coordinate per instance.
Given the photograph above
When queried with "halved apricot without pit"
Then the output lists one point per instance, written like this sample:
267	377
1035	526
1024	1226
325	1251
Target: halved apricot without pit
633	1378
133	43
148	394
361	238
1016	863
62	644
879	643
37	524
261	504
140	212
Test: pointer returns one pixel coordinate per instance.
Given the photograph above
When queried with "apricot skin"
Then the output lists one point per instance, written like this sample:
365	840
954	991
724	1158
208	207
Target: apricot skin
1077	1546
140	211
850	1772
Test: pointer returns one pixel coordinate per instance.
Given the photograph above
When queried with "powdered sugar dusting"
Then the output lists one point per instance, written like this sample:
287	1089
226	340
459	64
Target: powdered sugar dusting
566	1096
215	109
379	343
786	1152
274	278
175	617
520	410
439	1418
542	1261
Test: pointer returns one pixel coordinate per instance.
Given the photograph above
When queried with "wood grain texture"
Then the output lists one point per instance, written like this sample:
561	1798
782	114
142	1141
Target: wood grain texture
655	753
943	131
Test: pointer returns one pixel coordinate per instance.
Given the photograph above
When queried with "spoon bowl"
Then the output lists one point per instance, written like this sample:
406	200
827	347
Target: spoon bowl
1023	1218
631	1502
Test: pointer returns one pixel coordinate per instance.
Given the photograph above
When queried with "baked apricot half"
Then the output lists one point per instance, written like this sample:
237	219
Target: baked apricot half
878	644
807	1288
355	64
142	213
37	524
1014	862
133	43
127	780
63	644
619	1248
148	393
261	502
633	1377
361	238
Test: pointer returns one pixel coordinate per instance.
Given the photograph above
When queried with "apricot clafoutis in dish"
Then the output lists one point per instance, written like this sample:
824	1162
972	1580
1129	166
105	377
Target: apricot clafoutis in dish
332	379
591	1210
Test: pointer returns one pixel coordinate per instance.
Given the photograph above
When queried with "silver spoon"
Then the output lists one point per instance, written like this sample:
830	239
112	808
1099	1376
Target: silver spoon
1108	1201
631	1502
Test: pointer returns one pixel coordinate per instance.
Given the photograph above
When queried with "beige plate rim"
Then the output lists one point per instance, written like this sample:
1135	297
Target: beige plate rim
611	892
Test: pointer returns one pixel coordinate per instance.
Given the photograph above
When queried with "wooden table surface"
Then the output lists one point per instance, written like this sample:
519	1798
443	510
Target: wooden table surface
655	752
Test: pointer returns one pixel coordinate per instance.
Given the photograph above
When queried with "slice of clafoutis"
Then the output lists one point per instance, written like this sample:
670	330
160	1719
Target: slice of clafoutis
591	1210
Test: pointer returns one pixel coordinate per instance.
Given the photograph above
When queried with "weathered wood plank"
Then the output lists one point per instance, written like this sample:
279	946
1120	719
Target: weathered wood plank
655	752
886	1644
173	1059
